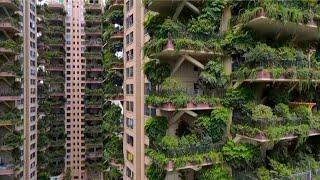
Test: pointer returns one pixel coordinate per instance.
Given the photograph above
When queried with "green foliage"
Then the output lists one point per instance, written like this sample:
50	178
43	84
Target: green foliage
215	173
279	169
282	110
155	128
263	173
261	54
154	172
236	98
240	155
156	72
262	112
214	76
303	112
215	125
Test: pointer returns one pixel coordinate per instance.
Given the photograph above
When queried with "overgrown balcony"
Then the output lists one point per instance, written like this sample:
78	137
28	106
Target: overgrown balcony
48	104
9	46
94	92
10	69
10	118
54	78
10	4
279	20
93	7
93	117
9	24
93	18
54	54
93	30
93	43
10	94
52	30
12	140
55	67
115	17
94	102
172	96
264	63
92	55
54	16
53	41
259	123
115	5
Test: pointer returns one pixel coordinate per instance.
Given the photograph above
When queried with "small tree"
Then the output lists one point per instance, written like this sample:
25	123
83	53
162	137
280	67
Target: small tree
156	72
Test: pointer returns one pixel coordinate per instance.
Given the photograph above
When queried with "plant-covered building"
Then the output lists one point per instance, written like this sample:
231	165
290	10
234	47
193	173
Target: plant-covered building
228	90
51	96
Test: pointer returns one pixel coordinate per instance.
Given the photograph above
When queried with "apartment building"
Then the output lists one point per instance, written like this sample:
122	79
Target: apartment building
18	90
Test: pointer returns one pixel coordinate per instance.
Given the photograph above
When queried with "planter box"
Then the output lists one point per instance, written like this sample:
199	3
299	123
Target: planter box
191	105
203	105
168	105
263	74
307	104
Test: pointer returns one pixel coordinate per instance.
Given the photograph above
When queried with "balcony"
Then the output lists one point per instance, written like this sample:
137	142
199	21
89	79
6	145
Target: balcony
10	118
89	18
168	7
115	5
10	69
272	26
93	55
94	155
93	117
52	30
10	95
53	79
6	169
94	103
94	92
93	7
10	4
56	6
172	101
193	157
55	17
92	43
11	141
54	54
9	47
116	35
55	67
93	31
94	67
9	24
265	126
53	41
94	80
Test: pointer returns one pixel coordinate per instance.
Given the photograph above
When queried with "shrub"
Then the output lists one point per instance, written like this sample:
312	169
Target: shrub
156	128
262	112
215	173
282	110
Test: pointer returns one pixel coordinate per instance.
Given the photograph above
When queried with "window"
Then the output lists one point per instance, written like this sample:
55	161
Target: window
149	111
129	106
129	5
129	173
129	156
129	72
129	55
129	123
129	88
147	88
129	21
129	139
129	38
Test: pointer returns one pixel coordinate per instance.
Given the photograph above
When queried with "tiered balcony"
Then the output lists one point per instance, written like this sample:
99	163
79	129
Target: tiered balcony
54	17
115	5
54	30
9	24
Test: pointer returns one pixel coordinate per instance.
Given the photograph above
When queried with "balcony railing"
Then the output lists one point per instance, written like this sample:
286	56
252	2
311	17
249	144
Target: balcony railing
93	55
93	30
13	21
10	92
95	18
